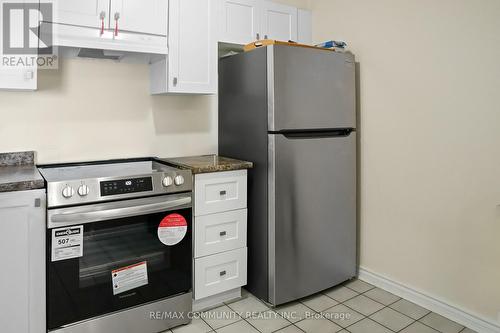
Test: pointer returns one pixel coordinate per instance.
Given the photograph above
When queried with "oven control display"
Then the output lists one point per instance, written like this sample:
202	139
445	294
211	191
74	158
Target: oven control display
124	186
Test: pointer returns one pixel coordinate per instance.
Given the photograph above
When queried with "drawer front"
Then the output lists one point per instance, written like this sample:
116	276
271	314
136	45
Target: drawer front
220	232
220	272
220	192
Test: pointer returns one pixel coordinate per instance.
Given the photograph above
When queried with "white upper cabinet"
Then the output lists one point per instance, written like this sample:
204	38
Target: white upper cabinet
239	21
13	76
18	78
244	21
86	13
113	25
191	64
145	16
279	21
304	26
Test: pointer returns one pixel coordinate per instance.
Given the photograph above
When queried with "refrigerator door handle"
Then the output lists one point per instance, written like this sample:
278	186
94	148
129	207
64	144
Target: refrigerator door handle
316	134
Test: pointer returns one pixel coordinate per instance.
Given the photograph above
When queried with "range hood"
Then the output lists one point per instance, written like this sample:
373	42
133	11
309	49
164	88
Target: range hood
84	42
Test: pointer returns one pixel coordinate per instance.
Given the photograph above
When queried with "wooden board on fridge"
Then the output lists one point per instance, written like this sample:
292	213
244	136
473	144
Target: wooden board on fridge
267	42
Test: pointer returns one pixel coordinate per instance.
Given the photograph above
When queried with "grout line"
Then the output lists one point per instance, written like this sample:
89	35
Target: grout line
406	314
368	317
357	294
435	329
249	323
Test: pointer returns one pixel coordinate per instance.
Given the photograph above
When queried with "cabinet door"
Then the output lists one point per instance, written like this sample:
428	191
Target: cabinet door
239	21
13	77
22	252
145	16
220	272
86	13
280	21
304	26
18	78
192	57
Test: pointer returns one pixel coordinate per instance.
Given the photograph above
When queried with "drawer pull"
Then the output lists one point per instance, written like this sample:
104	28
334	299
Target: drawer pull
223	192
222	233
222	273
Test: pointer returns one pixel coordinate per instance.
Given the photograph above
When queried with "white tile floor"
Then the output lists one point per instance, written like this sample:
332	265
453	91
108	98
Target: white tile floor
355	307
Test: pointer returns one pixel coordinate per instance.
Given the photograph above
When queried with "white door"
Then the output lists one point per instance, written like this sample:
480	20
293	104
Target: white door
144	16
192	57
87	13
239	21
22	253
280	21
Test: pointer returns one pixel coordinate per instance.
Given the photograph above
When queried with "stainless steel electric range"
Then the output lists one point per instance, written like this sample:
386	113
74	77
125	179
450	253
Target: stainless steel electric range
119	250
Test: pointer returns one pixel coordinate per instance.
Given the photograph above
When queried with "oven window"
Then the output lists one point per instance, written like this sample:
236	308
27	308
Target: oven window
83	288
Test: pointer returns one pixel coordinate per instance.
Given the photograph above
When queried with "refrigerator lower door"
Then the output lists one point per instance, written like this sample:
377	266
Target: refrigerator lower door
312	214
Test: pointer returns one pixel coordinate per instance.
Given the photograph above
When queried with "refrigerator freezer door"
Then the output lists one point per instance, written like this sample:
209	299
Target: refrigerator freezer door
310	89
312	214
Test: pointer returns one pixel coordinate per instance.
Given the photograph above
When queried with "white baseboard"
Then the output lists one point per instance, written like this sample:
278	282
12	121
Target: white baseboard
214	301
434	304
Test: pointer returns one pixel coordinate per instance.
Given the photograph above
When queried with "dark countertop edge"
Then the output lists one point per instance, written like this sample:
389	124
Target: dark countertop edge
17	158
25	185
238	165
19	162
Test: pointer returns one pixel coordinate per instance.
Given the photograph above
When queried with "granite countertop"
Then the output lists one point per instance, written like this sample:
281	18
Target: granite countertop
208	163
19	173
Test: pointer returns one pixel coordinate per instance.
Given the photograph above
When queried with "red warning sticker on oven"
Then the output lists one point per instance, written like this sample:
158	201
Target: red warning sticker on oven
172	229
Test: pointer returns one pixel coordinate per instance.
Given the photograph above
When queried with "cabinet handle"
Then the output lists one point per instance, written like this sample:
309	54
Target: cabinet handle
117	17
102	16
258	36
265	36
222	193
28	75
222	273
175	81
222	233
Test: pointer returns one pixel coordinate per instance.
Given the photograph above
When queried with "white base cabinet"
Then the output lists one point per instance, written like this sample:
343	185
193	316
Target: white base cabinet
220	272
22	253
221	232
220	237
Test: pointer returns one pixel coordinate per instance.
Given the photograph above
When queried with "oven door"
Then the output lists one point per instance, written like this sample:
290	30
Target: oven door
111	256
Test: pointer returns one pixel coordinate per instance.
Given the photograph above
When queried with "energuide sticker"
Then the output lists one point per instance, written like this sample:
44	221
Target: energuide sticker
172	229
67	243
129	277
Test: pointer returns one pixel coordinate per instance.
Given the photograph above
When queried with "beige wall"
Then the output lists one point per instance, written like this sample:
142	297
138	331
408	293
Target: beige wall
430	141
98	109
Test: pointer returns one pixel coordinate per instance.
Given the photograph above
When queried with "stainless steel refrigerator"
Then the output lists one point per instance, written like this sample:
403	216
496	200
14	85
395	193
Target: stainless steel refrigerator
291	111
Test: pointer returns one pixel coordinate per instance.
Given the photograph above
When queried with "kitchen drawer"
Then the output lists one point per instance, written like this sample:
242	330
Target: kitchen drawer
220	272
220	192
220	232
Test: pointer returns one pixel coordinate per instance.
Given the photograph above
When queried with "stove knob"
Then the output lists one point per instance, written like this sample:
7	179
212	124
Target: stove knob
167	181
179	180
68	192
83	190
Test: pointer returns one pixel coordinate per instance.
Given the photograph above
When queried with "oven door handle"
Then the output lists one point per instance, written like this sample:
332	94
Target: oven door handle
57	219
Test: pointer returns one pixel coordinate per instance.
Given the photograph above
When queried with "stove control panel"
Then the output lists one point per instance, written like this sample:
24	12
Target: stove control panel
124	186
